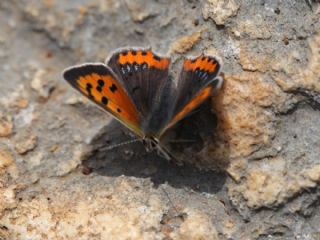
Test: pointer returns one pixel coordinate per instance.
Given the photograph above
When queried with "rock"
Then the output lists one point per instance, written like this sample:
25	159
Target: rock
76	99
253	62
260	161
253	28
313	174
304	77
25	117
140	10
196	226
36	159
184	44
104	207
41	84
6	125
6	158
70	165
25	143
241	131
7	198
16	99
21	103
264	188
219	11
4	232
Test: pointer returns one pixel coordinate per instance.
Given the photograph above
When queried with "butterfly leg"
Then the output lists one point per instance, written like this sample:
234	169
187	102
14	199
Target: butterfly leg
161	152
165	153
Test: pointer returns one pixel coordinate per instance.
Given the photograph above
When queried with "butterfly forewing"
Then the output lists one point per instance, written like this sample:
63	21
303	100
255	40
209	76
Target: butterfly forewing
99	83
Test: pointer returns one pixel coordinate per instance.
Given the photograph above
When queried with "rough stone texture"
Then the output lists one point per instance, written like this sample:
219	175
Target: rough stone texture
6	125
220	11
184	44
257	141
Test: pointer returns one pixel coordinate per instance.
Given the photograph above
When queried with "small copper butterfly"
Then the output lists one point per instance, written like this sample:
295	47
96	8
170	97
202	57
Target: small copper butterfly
135	88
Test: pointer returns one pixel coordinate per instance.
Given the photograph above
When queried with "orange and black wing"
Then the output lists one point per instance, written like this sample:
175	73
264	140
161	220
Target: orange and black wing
198	79
144	75
99	84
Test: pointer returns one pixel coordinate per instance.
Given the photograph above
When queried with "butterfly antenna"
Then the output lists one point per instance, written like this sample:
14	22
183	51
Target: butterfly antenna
107	148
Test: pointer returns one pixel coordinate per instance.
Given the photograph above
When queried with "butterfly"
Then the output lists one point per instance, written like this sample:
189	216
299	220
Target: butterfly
134	86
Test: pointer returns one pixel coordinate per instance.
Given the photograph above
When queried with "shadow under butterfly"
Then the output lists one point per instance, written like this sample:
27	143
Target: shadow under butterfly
132	159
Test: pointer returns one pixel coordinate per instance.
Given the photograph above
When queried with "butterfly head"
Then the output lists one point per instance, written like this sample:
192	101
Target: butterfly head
153	144
150	143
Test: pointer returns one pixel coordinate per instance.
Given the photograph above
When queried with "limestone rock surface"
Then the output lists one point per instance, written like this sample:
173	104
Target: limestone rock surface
251	156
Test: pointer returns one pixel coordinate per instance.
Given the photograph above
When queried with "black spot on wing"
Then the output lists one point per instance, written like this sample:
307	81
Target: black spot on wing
100	82
104	100
113	88
88	86
99	88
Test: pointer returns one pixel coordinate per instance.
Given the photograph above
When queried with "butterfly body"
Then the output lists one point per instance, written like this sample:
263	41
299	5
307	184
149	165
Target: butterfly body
134	86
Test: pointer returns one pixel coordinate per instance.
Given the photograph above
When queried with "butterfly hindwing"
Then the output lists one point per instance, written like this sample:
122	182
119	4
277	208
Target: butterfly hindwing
144	75
198	79
99	83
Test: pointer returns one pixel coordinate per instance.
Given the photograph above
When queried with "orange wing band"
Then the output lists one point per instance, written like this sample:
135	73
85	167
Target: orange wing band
202	62
141	56
195	102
